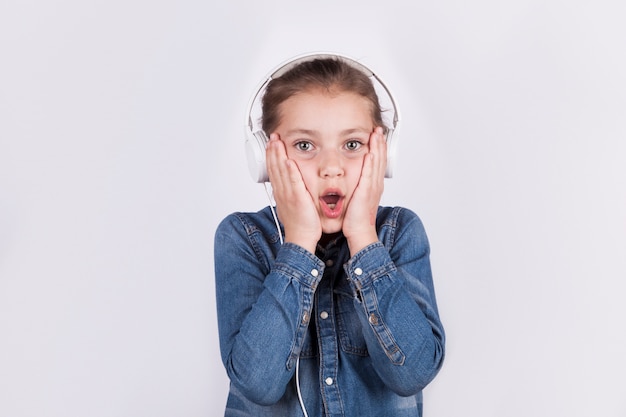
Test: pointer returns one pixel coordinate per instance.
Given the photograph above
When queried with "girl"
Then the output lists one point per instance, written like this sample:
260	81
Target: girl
328	310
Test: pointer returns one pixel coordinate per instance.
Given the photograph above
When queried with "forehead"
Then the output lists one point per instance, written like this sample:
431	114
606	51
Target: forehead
322	106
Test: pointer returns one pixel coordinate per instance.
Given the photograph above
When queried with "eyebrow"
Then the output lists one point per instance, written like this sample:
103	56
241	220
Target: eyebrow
301	131
312	132
355	130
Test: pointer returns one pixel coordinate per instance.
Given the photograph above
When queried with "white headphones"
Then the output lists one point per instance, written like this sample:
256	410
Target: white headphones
256	139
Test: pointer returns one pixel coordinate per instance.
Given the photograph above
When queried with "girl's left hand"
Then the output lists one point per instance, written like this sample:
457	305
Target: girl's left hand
359	224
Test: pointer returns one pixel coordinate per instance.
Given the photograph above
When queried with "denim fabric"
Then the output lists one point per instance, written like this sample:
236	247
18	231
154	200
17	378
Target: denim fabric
366	329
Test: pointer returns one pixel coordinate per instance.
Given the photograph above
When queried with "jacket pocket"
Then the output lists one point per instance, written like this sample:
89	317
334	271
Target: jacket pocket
349	328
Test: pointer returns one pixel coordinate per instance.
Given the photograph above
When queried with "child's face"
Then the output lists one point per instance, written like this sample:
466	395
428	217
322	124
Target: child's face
328	137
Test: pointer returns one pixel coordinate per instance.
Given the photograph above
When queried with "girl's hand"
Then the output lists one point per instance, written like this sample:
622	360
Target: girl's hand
359	224
294	204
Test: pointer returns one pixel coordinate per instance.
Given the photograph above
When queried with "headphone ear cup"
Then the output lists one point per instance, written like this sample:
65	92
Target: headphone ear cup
255	151
392	145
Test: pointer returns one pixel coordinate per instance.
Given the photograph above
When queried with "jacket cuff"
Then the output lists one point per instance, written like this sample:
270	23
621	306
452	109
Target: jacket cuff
296	262
369	264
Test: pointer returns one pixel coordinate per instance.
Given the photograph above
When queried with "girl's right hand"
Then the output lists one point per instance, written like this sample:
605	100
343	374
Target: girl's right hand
294	203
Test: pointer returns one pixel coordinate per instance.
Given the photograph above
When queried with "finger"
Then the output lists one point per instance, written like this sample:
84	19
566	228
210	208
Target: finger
368	167
294	174
275	159
284	173
381	150
375	163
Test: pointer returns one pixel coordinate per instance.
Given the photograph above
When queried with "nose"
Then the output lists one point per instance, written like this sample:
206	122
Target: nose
330	164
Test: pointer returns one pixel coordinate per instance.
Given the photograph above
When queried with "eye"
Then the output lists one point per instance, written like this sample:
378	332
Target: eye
353	145
303	146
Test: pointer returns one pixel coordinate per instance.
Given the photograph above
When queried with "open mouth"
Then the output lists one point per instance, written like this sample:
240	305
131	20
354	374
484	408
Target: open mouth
331	203
331	200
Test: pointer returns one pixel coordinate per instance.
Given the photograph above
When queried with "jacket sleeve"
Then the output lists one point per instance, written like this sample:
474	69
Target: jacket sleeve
263	309
395	299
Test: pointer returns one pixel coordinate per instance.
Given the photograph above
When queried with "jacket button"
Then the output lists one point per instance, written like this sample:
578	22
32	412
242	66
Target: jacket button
315	272
328	381
373	319
324	315
358	271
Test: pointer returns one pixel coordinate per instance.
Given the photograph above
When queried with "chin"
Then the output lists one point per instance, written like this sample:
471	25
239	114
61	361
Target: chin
331	227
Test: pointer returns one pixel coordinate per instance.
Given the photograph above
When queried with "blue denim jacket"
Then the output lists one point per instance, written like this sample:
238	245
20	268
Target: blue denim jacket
365	328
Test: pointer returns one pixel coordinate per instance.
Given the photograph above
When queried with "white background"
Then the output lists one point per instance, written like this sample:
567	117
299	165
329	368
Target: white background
121	148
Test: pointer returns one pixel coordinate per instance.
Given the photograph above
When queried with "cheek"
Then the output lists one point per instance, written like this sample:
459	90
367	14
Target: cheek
354	168
352	178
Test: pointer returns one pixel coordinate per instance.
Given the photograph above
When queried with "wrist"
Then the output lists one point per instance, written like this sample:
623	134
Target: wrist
309	244
358	242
